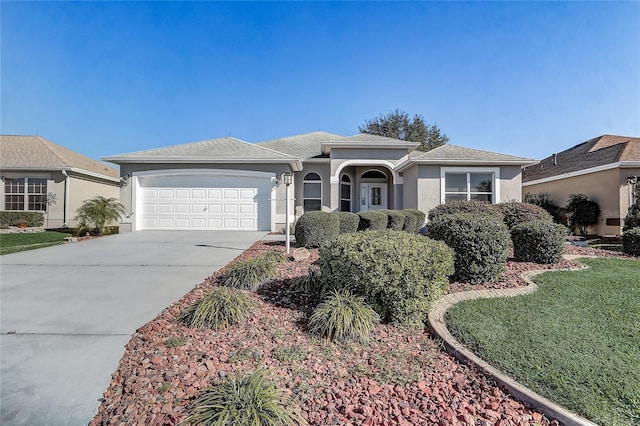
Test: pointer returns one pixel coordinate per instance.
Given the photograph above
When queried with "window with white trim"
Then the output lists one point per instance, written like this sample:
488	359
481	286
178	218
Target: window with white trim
25	194
345	193
477	186
312	192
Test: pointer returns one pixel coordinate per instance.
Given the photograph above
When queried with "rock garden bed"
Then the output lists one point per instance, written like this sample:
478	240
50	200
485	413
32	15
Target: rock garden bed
401	377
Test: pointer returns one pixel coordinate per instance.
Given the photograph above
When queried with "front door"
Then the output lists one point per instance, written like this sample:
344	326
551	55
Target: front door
373	196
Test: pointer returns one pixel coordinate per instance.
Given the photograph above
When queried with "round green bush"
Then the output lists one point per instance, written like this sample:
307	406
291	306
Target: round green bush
472	207
314	229
631	241
632	219
372	220
410	221
539	241
343	316
218	309
420	218
479	241
399	274
395	219
348	222
244	400
515	213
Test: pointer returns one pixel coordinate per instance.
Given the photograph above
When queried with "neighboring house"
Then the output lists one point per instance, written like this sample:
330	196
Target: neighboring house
227	183
605	168
39	175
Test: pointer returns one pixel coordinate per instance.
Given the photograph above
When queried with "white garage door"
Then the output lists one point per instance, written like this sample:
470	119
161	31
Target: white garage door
206	202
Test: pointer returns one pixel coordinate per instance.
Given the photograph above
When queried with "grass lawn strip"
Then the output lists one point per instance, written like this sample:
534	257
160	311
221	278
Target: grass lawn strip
575	340
12	243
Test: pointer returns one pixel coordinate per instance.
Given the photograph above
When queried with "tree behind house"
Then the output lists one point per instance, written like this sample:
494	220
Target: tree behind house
398	125
99	212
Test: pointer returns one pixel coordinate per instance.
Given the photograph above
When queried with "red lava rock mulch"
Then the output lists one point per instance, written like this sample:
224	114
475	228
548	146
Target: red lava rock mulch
401	377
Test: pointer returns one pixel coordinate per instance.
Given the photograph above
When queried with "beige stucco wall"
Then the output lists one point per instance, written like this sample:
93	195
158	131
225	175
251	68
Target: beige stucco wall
608	188
82	189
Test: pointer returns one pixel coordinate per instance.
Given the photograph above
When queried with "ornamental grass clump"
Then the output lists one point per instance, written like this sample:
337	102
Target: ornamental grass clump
248	274
343	316
538	241
219	309
244	400
274	256
399	274
480	243
308	284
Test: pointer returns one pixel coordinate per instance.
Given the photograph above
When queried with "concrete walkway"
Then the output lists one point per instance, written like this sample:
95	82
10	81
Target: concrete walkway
67	312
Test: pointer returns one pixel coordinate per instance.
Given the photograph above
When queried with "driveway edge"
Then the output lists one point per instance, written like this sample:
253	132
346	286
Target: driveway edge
439	328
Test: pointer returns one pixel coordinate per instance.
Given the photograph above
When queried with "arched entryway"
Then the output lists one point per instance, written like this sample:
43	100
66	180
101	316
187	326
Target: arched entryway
374	190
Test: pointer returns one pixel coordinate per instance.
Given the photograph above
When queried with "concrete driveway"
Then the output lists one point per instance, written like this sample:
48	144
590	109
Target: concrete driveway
67	312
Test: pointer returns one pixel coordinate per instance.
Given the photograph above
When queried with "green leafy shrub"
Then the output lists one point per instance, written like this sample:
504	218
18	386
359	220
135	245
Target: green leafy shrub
398	273
631	241
395	219
472	207
289	353
314	229
274	256
632	219
309	284
539	241
218	309
348	222
343	316
420	217
410	221
515	212
11	217
372	220
248	274
583	212
244	400
479	241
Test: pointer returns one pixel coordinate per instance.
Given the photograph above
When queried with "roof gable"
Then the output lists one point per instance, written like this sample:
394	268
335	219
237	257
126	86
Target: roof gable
449	152
35	152
600	151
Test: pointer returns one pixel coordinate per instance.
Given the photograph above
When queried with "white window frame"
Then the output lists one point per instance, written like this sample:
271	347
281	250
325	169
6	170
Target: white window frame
26	195
304	197
495	171
350	185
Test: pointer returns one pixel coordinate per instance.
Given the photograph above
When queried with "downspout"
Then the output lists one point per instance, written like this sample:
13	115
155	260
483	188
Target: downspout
67	183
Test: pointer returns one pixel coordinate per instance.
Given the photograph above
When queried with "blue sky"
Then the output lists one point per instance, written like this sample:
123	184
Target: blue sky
522	78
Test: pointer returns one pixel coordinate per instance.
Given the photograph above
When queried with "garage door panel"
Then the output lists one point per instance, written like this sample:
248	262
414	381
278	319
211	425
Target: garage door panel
206	202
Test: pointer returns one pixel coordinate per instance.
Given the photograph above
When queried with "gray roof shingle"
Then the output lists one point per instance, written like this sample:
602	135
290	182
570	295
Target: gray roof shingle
605	149
306	145
35	152
450	152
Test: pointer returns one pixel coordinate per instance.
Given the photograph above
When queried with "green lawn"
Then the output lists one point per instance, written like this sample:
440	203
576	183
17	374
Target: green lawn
12	243
576	340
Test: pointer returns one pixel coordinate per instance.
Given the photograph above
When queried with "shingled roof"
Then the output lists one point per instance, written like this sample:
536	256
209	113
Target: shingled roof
448	152
306	145
38	153
600	151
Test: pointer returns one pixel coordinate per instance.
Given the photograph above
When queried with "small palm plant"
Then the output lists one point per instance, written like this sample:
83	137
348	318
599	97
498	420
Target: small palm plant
244	401
218	309
343	316
99	212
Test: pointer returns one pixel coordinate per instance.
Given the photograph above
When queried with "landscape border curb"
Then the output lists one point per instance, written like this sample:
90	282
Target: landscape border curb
438	327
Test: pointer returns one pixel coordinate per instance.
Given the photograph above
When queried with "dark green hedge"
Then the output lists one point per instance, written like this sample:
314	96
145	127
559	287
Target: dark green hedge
348	222
398	273
420	217
472	207
372	220
540	241
314	229
479	241
631	241
12	217
515	213
410	221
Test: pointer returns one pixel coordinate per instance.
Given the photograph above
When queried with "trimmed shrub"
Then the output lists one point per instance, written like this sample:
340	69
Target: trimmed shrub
540	241
632	219
410	221
395	219
473	207
399	274
372	220
314	229
479	241
631	241
343	316
515	212
420	217
274	256
248	274
12	217
218	309
244	400
583	212
348	222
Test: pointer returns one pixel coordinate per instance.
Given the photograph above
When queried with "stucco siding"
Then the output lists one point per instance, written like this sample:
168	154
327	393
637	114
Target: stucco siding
428	187
81	189
393	155
510	184
410	188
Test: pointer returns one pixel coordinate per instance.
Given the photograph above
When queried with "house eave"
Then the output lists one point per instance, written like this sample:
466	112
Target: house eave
294	163
60	169
604	167
463	162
